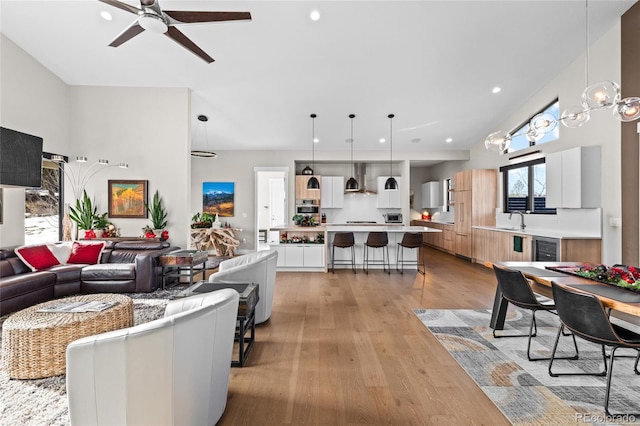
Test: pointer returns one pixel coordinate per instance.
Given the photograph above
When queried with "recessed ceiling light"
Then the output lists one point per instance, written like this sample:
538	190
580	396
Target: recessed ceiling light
382	140
314	15
449	140
106	15
316	140
496	90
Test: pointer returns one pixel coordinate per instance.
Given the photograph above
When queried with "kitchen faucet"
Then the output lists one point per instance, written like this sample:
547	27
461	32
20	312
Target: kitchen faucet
522	225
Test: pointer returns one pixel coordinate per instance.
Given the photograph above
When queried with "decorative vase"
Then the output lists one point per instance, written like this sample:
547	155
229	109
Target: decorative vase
89	234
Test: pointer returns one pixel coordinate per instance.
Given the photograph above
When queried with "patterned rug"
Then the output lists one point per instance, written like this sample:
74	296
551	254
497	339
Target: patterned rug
44	401
522	389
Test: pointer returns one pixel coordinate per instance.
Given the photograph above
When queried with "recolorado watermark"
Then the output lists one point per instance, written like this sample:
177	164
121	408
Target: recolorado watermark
605	418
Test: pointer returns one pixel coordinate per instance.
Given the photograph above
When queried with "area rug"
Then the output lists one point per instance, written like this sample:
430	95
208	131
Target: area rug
522	389
44	401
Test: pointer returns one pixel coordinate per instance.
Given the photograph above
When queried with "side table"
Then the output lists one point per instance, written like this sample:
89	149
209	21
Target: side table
246	313
183	263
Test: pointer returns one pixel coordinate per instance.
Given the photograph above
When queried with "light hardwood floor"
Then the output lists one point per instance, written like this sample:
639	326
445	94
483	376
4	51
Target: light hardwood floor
345	349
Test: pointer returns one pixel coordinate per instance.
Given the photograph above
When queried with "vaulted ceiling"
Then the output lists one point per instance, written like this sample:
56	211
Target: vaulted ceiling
431	63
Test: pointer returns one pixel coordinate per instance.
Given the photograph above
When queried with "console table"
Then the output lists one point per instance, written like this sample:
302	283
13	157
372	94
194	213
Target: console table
222	240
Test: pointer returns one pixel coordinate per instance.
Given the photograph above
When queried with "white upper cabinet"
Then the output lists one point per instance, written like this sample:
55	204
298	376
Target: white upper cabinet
431	195
389	199
573	178
332	196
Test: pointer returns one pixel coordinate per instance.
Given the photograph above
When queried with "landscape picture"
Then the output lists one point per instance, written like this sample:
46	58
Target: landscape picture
217	198
127	198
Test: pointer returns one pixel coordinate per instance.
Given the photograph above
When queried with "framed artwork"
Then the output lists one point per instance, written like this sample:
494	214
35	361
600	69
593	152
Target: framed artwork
218	198
128	198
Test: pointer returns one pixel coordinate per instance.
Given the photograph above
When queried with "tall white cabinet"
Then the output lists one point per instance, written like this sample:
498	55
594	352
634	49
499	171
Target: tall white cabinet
573	178
332	195
431	195
389	199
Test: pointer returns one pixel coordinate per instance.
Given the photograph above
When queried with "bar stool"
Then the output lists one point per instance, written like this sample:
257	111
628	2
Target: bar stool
343	240
410	240
376	240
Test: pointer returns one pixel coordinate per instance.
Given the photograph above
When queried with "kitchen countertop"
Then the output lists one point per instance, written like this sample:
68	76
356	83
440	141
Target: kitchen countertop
381	228
541	233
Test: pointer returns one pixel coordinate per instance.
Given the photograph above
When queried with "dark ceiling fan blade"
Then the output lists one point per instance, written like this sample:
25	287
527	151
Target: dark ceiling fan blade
190	17
183	40
133	30
120	5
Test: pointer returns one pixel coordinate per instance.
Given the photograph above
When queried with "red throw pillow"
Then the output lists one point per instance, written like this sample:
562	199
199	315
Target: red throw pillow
37	257
86	253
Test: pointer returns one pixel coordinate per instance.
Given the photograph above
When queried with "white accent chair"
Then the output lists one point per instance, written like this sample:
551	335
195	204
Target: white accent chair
257	267
171	371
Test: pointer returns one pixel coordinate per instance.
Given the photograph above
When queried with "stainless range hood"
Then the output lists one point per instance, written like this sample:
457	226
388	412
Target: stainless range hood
360	170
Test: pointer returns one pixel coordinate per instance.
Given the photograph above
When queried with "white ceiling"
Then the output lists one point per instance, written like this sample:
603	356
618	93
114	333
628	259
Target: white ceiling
431	63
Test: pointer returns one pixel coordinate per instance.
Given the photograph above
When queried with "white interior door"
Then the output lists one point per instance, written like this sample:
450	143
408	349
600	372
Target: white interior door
277	202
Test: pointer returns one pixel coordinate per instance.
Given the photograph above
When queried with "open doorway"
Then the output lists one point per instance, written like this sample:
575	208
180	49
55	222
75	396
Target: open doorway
271	203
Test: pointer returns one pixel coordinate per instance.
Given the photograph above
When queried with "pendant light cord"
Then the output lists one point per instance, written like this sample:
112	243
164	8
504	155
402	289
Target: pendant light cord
586	38
313	142
391	144
353	170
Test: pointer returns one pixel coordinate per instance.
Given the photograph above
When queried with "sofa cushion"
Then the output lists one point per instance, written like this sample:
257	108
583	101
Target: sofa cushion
66	273
85	252
37	257
19	285
109	272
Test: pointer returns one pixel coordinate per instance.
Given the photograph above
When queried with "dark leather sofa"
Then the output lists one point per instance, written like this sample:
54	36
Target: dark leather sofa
125	267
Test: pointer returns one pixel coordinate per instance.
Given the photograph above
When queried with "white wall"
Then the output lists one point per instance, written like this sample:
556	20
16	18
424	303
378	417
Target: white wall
148	128
36	102
602	129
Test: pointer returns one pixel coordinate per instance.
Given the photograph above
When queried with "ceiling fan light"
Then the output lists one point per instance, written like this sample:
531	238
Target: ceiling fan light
574	116
604	94
153	23
627	109
497	141
391	184
352	185
313	183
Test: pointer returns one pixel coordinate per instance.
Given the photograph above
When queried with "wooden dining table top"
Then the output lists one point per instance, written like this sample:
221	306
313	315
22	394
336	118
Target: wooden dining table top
542	279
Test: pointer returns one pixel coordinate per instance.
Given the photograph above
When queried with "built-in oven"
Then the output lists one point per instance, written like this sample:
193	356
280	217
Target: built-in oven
546	249
307	209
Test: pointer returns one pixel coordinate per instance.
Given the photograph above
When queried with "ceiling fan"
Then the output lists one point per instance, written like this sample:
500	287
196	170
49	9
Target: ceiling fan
151	17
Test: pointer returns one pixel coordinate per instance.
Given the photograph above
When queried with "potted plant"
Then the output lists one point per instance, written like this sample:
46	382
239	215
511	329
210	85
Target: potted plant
202	220
84	215
101	223
158	215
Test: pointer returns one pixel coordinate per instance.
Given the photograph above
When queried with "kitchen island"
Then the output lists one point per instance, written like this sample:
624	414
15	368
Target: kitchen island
308	248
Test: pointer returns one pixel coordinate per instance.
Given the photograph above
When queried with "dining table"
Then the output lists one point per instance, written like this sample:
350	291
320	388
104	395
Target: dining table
540	276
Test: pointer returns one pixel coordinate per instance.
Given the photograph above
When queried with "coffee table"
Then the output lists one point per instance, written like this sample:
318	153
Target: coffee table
34	343
246	312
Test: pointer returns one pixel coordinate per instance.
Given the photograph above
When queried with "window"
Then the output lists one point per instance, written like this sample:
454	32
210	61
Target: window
519	135
525	187
42	217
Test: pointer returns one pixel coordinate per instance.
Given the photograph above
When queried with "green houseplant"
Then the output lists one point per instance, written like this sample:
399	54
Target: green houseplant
84	214
202	220
157	212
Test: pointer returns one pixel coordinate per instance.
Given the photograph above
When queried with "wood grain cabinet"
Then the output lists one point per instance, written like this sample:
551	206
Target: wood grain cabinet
475	203
302	193
440	240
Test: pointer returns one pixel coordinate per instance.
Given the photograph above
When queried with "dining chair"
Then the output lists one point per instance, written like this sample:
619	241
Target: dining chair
515	289
585	316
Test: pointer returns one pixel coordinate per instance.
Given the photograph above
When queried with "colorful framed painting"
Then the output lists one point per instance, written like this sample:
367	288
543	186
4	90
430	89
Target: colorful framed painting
128	198
218	198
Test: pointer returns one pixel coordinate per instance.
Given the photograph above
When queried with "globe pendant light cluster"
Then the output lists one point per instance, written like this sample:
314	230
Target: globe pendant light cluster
313	183
352	183
391	184
599	96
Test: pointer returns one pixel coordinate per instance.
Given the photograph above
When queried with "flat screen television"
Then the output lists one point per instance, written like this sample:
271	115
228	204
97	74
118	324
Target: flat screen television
20	159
